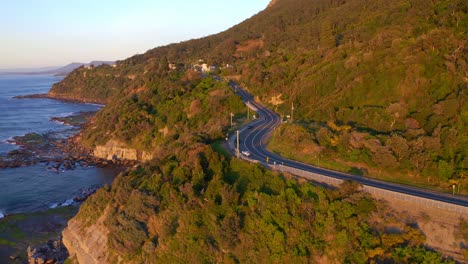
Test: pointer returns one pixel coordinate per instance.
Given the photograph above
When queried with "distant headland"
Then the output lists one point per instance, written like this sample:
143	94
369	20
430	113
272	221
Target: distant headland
58	70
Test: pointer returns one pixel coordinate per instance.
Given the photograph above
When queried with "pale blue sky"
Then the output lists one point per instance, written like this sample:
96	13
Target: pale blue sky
37	33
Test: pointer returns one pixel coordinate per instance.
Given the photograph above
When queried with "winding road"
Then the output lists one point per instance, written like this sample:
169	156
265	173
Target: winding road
253	138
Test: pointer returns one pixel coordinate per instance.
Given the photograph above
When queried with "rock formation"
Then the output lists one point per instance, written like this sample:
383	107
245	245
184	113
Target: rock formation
52	252
113	150
87	244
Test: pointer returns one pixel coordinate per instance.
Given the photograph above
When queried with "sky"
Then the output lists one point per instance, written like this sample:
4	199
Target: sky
41	33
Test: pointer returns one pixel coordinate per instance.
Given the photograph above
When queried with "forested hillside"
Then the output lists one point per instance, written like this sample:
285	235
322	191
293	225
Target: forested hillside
198	207
380	88
377	86
192	204
178	107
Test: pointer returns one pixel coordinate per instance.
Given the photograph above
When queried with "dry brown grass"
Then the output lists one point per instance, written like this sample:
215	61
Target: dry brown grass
248	45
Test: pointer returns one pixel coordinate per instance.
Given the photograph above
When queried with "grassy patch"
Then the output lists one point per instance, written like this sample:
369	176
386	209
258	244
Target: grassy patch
30	139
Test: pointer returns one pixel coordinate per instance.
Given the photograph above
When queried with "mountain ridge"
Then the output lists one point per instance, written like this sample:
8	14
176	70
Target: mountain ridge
57	70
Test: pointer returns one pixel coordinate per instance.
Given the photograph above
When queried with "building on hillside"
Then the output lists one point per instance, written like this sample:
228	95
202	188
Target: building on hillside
172	66
205	67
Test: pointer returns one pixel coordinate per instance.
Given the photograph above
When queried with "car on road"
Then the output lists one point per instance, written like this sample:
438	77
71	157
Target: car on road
245	153
250	127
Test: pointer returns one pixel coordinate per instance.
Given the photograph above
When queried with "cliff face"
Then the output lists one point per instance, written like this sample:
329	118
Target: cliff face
115	150
87	244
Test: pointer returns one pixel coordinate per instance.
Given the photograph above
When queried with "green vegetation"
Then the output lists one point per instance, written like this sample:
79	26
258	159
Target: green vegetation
181	106
220	148
30	139
348	150
95	85
197	206
393	71
394	77
378	86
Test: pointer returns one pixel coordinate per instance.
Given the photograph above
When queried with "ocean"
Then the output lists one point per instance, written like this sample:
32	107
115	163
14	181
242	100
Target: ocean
34	188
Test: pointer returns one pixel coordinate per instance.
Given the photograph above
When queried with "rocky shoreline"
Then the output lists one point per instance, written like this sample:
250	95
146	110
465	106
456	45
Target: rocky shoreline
60	151
35	237
52	252
76	120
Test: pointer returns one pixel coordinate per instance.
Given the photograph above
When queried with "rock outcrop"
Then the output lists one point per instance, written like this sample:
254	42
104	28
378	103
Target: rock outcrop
52	252
114	150
87	243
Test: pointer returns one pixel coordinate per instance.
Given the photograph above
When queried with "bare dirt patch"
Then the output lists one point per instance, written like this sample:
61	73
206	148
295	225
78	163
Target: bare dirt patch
248	45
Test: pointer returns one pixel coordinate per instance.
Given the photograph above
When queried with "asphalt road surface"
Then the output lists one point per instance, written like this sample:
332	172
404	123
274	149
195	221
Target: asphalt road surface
253	138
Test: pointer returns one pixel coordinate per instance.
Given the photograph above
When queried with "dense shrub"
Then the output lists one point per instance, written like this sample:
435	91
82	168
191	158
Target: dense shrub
222	211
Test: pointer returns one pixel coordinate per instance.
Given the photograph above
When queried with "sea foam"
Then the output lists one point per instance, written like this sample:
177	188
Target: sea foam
66	203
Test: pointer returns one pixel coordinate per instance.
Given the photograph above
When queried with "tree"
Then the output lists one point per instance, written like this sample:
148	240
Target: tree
323	136
419	158
399	146
445	170
383	157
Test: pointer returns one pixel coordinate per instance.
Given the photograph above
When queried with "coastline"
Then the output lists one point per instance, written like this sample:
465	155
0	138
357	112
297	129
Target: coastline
30	236
50	147
20	233
58	151
63	98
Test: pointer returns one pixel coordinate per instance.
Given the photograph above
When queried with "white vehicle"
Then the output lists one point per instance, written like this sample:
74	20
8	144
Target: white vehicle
246	153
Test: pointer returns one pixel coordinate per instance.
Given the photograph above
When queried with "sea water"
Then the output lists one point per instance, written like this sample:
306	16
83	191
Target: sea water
33	188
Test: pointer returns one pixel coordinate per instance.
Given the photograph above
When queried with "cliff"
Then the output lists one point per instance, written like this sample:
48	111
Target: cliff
87	243
114	150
